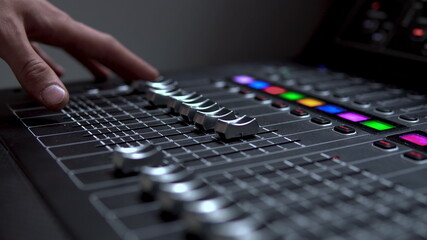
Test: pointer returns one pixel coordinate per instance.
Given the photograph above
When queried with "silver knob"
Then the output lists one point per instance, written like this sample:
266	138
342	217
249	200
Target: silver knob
173	199
160	97
206	120
131	159
174	103
162	84
241	127
188	110
150	183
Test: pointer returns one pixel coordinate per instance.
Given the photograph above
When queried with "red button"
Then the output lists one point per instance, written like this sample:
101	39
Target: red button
385	144
274	90
418	32
344	129
414	155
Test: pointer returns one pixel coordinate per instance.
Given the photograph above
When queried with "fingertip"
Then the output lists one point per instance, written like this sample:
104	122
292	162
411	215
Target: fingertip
152	74
54	97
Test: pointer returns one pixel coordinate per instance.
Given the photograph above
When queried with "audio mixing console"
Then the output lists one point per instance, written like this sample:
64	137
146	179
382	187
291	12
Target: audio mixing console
277	150
261	152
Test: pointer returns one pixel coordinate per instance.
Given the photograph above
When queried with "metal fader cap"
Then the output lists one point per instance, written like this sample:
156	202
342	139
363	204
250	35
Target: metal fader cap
131	159
241	127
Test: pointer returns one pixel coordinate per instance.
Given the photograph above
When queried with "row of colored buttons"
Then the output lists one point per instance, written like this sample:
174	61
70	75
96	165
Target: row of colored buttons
312	103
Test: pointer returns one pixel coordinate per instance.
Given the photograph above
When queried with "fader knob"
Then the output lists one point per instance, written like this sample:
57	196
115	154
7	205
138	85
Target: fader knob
162	84
174	103
206	119
241	127
131	159
193	211
188	110
172	200
160	97
150	182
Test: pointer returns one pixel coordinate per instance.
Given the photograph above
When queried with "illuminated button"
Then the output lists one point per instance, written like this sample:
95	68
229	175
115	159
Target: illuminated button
378	125
344	129
415	138
292	96
259	85
352	116
419	33
273	90
385	145
310	102
300	113
332	109
243	79
414	155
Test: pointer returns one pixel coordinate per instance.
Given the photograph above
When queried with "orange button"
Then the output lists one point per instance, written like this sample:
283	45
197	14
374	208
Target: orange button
310	102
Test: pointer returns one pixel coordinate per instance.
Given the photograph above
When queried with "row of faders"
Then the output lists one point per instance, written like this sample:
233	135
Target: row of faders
204	113
205	212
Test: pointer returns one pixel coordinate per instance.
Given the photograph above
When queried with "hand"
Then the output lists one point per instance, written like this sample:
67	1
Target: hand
25	21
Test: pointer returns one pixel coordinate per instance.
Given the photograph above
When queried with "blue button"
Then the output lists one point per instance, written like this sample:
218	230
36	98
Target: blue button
259	85
332	109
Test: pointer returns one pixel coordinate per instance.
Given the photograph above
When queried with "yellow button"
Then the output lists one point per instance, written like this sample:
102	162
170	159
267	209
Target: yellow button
310	102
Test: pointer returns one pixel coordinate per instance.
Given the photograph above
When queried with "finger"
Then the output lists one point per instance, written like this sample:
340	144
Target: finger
80	39
33	73
58	69
97	69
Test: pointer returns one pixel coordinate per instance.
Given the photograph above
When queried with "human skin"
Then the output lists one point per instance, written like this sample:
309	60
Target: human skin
25	22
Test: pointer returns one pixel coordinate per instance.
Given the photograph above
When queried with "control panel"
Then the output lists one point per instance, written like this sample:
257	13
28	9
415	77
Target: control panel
257	151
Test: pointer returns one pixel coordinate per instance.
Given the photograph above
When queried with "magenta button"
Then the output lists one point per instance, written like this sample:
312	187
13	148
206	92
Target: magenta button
354	117
415	138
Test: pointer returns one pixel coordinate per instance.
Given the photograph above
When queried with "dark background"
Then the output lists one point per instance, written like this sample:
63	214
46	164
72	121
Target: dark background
188	34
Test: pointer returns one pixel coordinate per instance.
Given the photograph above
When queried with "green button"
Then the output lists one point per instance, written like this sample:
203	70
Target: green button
378	125
292	96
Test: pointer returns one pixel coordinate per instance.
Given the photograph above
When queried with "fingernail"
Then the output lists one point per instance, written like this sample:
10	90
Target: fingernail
53	95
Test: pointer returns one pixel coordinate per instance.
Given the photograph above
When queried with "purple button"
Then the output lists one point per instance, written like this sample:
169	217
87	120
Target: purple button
354	117
243	79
